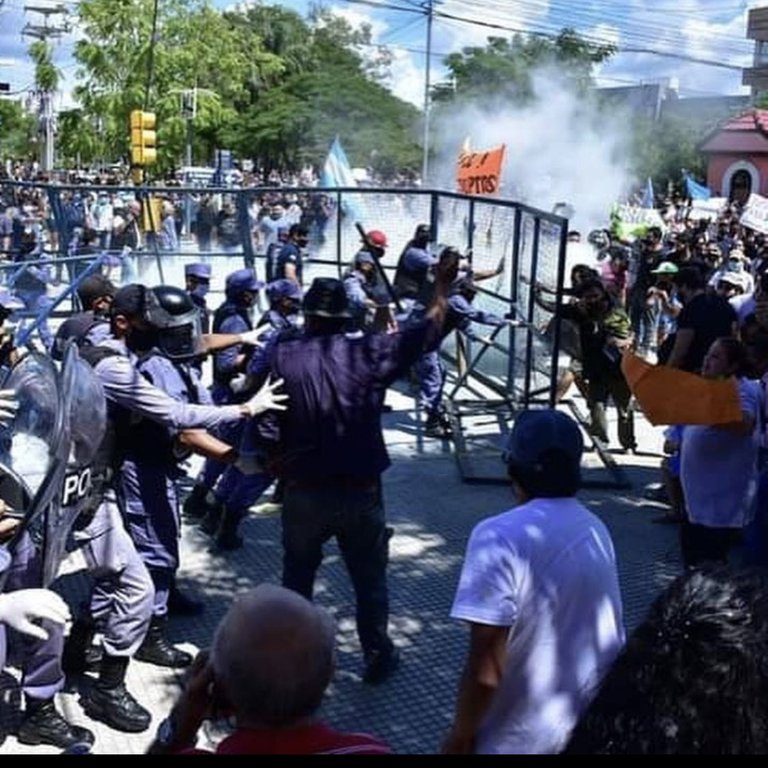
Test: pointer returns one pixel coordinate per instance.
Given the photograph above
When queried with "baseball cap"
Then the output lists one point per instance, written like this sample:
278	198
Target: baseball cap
326	297
243	280
199	270
733	278
282	289
665	268
378	238
544	441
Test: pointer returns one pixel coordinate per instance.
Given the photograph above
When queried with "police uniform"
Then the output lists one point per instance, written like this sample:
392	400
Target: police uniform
236	492
201	272
233	316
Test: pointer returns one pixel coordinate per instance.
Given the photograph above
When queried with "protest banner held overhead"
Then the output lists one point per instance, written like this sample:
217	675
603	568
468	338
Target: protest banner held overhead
755	215
479	173
632	221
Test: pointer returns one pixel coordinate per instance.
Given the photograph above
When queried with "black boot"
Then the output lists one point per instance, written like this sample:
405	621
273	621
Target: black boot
108	699
212	519
180	604
158	651
196	505
227	537
43	724
79	654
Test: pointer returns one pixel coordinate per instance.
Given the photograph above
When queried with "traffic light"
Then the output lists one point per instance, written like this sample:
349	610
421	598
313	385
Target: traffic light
143	138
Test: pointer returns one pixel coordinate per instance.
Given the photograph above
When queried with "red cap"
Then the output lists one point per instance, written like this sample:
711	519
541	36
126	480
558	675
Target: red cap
377	238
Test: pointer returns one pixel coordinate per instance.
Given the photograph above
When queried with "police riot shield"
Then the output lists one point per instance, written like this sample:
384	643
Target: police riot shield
34	446
86	412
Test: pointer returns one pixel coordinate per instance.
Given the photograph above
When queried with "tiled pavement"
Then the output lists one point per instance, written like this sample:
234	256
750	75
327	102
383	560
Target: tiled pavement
432	512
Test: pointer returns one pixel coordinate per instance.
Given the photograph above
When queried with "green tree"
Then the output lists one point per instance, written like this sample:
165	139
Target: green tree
46	74
16	131
505	67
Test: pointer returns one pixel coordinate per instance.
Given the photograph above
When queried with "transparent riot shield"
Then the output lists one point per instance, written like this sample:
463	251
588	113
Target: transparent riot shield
86	410
33	447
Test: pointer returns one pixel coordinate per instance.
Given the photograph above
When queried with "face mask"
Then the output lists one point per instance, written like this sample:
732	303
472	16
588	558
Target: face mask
200	291
141	340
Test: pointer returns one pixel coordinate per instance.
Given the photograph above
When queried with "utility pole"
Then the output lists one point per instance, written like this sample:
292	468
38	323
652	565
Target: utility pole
44	97
429	9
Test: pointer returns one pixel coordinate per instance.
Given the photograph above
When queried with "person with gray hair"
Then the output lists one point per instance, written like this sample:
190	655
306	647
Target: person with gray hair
271	660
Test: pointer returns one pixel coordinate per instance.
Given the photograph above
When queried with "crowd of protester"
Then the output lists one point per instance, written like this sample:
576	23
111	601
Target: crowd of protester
295	405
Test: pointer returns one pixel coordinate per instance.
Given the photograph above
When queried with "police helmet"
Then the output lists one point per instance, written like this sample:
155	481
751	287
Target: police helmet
172	313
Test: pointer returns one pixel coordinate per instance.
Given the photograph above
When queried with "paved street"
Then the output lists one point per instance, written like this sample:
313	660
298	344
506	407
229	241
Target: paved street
432	512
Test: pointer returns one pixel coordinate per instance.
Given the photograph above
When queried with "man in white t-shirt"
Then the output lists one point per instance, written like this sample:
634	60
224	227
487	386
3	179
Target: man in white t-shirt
540	591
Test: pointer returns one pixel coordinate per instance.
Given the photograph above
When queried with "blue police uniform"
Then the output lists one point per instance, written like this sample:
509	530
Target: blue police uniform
235	491
148	477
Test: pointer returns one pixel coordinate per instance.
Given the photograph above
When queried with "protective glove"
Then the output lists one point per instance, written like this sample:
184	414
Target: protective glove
266	399
9	404
20	609
253	338
248	464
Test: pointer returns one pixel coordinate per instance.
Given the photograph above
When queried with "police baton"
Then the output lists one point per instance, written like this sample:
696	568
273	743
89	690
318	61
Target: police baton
380	270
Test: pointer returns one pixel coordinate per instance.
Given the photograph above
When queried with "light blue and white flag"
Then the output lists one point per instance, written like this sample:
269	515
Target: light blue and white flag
694	190
337	172
649	199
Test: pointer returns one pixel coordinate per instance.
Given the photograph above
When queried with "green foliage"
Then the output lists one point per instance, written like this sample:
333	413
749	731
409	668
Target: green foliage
46	73
16	130
505	67
271	86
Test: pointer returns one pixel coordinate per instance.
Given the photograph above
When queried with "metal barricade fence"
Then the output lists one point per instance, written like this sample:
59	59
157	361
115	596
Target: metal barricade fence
71	230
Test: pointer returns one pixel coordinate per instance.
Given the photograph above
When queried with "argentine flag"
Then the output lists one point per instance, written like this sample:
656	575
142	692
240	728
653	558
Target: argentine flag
649	199
337	172
694	190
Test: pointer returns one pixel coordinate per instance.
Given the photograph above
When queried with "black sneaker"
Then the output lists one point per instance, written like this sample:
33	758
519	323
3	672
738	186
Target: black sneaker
46	726
379	666
116	708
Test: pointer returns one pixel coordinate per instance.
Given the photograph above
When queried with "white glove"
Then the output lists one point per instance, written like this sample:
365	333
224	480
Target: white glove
21	608
238	383
248	464
253	338
266	399
9	404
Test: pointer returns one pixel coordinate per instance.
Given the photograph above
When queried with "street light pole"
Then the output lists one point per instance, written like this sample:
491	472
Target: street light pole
425	160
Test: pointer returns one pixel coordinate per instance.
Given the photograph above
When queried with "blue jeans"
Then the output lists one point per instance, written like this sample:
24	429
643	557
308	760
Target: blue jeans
355	516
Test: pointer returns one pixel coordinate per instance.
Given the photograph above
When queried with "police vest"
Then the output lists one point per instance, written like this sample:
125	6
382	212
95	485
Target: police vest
225	311
408	282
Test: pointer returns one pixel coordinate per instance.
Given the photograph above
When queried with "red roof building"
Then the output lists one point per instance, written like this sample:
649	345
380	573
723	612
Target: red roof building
738	156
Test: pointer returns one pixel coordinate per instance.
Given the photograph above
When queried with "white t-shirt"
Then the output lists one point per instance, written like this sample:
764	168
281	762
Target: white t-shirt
547	570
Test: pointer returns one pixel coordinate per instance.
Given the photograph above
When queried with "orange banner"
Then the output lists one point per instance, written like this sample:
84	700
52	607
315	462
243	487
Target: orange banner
479	173
670	396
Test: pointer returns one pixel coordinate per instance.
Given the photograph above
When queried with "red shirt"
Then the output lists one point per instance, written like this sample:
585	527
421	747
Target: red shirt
315	739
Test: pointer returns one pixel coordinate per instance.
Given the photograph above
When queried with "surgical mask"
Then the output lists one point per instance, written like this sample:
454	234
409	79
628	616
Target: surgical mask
200	291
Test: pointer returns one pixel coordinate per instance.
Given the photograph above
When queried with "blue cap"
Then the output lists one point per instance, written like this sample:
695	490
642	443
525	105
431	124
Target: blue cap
198	269
283	289
544	441
243	280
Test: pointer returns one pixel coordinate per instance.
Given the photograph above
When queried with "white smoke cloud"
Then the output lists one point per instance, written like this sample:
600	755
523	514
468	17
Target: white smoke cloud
558	149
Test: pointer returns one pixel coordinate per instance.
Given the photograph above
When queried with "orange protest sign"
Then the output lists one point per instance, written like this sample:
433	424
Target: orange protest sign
479	173
670	396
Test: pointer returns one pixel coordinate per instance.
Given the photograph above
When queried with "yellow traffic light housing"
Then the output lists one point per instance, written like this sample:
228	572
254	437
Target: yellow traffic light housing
143	138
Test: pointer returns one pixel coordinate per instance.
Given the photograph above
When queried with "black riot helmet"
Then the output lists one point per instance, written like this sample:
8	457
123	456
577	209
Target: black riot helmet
171	312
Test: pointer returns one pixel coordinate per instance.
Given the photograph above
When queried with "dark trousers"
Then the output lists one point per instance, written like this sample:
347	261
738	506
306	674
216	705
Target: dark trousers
701	544
612	384
355	516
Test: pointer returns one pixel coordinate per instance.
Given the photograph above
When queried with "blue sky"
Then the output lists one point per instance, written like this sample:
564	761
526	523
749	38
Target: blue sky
706	37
